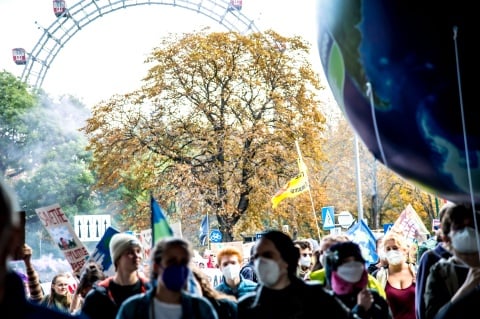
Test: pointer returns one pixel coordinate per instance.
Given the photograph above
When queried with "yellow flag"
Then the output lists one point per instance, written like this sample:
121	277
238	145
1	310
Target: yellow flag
294	187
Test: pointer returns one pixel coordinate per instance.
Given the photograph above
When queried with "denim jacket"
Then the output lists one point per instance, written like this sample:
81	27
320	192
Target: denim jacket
139	306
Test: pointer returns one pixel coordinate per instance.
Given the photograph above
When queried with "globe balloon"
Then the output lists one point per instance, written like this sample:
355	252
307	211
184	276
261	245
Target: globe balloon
403	73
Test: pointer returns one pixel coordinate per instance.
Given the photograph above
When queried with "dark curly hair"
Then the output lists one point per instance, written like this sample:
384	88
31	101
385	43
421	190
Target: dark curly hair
91	274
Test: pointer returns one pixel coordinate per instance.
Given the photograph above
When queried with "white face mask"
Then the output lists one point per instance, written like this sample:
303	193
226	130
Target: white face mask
231	272
305	261
465	240
351	271
267	270
395	257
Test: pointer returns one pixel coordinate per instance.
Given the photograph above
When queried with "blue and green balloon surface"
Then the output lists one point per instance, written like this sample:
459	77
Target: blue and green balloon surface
419	61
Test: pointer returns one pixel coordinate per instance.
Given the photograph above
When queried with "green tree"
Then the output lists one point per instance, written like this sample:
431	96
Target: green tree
15	101
56	166
213	128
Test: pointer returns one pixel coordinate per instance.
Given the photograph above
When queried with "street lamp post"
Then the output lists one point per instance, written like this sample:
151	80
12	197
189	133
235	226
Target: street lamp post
359	183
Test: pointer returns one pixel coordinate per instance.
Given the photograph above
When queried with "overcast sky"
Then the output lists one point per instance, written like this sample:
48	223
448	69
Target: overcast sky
106	57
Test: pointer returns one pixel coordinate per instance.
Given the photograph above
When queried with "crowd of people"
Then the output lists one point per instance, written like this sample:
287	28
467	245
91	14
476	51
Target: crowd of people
281	278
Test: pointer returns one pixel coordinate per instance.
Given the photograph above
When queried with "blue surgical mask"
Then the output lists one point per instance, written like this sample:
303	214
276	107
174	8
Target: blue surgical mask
174	277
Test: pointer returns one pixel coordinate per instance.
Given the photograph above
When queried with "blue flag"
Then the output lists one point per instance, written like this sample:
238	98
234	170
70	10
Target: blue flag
204	230
361	234
160	226
101	254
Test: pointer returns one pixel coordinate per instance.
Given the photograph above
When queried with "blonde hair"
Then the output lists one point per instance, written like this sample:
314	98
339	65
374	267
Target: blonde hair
50	299
402	244
397	238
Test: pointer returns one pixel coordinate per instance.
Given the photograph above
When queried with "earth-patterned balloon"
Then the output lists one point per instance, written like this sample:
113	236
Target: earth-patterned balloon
404	74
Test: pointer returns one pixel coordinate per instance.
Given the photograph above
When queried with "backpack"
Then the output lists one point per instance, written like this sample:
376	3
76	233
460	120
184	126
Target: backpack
247	271
446	269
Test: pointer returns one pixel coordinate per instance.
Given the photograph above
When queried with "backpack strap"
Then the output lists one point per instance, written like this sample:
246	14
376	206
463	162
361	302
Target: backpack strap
447	271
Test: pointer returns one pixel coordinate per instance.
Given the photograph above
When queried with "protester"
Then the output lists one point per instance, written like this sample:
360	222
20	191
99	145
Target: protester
91	274
35	292
317	264
247	271
106	297
280	293
59	297
229	259
373	268
225	305
13	299
305	262
348	276
320	275
398	277
427	260
465	307
169	299
455	278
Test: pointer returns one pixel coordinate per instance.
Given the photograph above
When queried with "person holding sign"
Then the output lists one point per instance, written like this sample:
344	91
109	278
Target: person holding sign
13	300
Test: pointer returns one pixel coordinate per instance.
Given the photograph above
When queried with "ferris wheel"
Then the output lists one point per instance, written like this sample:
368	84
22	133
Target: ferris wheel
71	20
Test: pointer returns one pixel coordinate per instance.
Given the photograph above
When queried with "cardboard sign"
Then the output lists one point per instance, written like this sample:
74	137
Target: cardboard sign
56	222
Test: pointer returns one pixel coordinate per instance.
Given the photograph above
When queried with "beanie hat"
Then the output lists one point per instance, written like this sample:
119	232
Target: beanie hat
340	251
285	246
120	243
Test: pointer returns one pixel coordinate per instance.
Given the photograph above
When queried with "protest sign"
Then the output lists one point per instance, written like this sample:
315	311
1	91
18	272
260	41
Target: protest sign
60	230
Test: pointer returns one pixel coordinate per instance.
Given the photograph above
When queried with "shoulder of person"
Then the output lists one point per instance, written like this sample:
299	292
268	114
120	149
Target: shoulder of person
249	282
247	298
314	288
318	275
135	306
442	265
202	307
246	267
103	283
38	311
376	294
228	305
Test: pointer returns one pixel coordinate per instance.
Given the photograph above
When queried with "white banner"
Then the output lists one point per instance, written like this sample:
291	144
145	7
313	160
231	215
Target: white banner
91	227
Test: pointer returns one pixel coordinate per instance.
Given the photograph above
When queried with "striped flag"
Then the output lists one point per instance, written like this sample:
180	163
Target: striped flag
160	226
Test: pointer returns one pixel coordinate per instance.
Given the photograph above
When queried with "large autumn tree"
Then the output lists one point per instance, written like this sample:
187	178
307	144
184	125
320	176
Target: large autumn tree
213	129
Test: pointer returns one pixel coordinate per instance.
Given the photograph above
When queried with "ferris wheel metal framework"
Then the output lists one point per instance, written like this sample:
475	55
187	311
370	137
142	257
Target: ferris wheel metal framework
84	12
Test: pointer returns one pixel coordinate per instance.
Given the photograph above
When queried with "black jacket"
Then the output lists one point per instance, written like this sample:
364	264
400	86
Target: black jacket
300	300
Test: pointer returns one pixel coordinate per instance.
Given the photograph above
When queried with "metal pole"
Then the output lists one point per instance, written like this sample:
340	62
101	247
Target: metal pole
315	219
359	186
